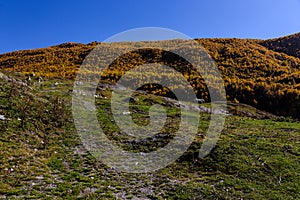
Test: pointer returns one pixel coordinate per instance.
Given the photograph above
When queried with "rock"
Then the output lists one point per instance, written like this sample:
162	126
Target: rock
10	79
39	177
200	100
4	77
2	117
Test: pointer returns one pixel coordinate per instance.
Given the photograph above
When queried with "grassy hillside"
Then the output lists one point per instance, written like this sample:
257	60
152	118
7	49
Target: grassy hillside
43	158
256	157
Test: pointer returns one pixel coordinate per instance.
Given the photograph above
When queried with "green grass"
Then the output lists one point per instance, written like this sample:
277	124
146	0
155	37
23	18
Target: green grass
42	156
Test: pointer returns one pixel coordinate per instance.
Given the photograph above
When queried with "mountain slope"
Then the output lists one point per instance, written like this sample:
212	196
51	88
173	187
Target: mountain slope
289	45
42	156
252	73
257	76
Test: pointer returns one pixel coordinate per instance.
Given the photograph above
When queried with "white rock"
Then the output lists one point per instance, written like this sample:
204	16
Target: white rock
126	113
2	117
200	100
39	177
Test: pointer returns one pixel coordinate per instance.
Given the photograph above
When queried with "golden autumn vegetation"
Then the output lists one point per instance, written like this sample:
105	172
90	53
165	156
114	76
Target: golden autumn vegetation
262	73
289	44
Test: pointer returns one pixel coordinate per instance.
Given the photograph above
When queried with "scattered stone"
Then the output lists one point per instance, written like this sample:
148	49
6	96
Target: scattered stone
56	84
79	83
10	79
39	177
126	113
200	100
135	98
2	117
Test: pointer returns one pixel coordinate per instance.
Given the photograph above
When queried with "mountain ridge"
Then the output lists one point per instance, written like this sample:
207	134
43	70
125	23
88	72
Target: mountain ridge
288	44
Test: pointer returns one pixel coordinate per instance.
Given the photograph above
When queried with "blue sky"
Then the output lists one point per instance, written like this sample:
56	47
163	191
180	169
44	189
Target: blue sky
28	24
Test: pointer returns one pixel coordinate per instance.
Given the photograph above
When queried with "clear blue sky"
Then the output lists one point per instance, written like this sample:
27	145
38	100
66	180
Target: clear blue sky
28	24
